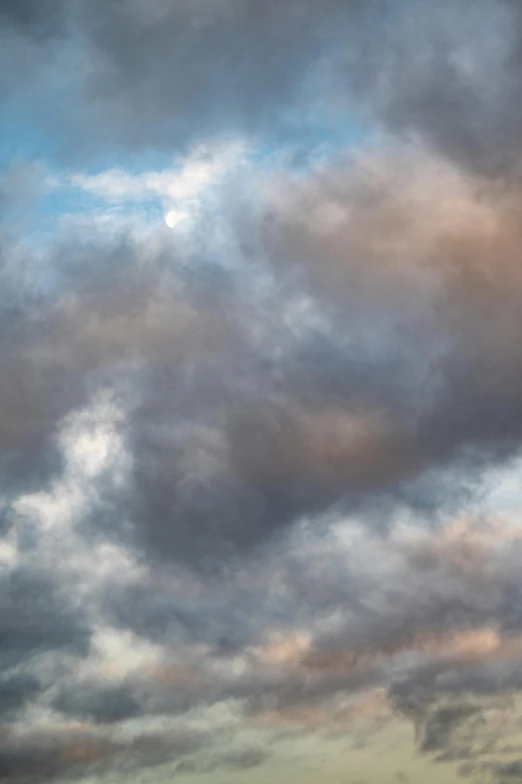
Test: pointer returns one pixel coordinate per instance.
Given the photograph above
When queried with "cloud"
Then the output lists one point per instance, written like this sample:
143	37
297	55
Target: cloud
174	72
244	759
450	77
409	259
306	386
196	174
397	248
182	72
239	428
395	410
44	632
98	704
178	72
441	724
422	629
73	751
27	18
507	771
36	617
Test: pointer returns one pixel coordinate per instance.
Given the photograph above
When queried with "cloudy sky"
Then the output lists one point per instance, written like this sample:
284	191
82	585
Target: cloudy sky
261	391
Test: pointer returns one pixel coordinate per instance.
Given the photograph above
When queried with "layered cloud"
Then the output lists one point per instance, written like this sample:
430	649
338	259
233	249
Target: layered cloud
178	71
247	465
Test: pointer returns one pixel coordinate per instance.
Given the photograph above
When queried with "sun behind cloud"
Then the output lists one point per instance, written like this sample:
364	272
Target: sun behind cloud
174	218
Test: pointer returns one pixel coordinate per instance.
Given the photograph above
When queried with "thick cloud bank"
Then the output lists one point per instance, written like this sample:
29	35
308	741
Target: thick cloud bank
259	474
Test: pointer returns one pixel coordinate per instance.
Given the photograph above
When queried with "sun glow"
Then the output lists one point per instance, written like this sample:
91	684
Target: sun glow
174	217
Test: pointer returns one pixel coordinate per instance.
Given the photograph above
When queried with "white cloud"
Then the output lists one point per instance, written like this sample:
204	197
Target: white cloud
181	184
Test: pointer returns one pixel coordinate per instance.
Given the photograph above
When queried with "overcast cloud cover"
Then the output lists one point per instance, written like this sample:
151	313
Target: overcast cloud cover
260	472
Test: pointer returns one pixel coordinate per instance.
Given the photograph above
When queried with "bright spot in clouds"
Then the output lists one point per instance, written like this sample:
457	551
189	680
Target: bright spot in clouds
174	217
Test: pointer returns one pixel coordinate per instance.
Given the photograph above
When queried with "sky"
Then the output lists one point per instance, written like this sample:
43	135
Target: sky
260	391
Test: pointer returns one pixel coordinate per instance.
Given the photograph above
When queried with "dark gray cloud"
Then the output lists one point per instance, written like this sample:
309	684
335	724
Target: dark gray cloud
325	420
37	621
37	616
362	358
57	342
32	18
439	727
447	596
97	704
176	71
231	440
448	75
418	293
282	435
228	81
244	759
16	690
70	753
169	73
508	771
